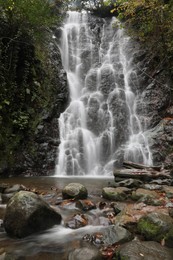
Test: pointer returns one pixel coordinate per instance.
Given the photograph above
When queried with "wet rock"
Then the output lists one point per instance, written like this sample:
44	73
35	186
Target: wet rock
168	191
10	191
129	183
77	221
156	226
85	205
117	194
109	236
152	187
162	182
14	188
96	238
146	196
146	250
74	190
85	253
27	213
115	234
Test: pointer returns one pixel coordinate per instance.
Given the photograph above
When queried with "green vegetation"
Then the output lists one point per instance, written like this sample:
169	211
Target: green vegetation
151	23
25	84
150	230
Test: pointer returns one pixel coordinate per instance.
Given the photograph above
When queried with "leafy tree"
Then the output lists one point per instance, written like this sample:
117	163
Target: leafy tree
151	22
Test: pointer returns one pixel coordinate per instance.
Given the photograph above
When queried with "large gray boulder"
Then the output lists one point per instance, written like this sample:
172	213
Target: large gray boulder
27	213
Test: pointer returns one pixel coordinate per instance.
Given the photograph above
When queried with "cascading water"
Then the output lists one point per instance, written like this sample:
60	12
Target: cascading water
100	127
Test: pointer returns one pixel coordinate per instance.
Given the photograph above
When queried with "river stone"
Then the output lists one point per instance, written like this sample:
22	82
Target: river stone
115	234
27	213
156	226
169	191
144	250
85	205
85	253
117	194
74	190
147	196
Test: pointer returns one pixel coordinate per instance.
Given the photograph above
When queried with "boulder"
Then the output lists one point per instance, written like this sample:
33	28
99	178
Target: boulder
169	192
147	196
117	194
146	250
75	191
157	226
115	234
27	213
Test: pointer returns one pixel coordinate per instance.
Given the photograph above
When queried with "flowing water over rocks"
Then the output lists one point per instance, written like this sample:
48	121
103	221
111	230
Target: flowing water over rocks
100	128
95	227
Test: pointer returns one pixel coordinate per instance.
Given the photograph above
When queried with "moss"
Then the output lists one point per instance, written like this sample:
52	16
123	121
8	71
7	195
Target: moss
150	230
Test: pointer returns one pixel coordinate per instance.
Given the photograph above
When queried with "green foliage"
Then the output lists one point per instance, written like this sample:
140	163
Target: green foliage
150	230
24	26
151	22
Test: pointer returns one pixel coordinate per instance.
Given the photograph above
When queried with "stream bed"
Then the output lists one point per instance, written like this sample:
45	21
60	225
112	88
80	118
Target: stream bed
57	242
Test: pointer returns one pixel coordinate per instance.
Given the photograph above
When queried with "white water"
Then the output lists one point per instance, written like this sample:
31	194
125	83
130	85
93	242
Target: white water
100	128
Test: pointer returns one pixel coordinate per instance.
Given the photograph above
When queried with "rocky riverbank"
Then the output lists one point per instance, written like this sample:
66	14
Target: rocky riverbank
133	220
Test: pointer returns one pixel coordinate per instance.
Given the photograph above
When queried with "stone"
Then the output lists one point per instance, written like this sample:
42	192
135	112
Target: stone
85	205
117	194
115	234
74	190
27	213
169	191
156	226
129	183
77	221
85	253
144	250
146	196
14	188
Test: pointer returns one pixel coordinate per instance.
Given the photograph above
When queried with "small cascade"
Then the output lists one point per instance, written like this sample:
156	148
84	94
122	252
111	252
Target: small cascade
100	127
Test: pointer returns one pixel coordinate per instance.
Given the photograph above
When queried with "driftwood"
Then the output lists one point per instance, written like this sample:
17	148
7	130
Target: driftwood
132	165
143	174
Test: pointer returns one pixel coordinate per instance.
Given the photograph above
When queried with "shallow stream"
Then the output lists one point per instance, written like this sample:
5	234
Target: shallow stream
58	241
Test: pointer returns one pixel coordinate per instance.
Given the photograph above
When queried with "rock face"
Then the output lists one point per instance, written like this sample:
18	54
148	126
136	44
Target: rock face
27	213
156	109
37	155
75	191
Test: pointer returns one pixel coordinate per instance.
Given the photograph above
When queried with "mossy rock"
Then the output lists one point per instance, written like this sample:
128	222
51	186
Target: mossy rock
28	213
74	191
155	226
117	194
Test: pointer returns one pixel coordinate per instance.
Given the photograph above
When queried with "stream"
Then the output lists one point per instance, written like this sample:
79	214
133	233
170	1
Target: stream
58	241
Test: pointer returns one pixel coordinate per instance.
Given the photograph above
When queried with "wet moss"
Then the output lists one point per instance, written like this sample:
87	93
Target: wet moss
150	230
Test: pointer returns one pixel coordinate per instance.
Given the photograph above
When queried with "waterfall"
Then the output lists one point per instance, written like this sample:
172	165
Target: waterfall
100	127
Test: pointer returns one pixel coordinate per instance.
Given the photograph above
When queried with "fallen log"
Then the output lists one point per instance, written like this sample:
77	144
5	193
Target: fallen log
142	174
132	165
